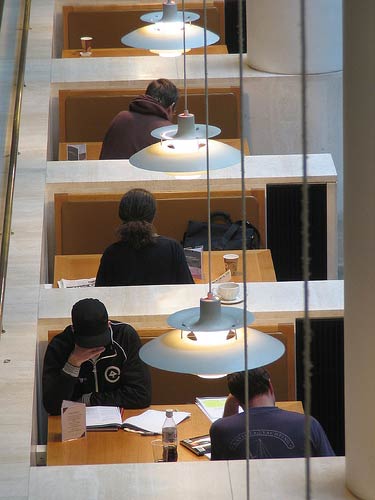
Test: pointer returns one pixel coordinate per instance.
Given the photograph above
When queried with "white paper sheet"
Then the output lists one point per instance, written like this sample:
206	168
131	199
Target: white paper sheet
153	420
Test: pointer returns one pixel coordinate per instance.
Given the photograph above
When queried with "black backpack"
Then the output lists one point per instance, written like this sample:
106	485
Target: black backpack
225	235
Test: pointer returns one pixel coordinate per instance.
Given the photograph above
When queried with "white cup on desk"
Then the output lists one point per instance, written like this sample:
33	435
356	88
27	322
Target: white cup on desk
228	291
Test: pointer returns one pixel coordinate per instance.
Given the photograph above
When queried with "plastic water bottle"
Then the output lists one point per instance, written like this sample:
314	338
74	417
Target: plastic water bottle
169	437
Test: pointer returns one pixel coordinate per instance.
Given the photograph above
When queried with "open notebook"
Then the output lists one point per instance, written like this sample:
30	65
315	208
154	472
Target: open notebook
148	422
213	408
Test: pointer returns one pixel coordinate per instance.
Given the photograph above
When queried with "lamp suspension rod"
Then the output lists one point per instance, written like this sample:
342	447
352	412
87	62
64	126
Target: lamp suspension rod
244	267
184	42
305	259
207	146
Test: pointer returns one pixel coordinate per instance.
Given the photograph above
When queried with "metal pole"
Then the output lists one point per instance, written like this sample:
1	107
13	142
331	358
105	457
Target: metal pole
13	160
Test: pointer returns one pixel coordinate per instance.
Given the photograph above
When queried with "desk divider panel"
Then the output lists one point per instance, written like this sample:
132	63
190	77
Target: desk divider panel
85	115
86	224
327	376
107	24
284	230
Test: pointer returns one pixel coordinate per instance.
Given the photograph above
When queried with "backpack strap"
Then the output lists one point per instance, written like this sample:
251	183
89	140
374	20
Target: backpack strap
227	236
219	214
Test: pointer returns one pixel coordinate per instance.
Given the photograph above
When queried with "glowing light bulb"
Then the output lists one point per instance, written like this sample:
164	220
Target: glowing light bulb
185	176
168	28
167	53
183	146
209	338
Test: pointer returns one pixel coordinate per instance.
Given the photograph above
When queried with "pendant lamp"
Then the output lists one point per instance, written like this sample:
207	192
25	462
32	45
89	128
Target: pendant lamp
170	36
182	150
209	342
174	353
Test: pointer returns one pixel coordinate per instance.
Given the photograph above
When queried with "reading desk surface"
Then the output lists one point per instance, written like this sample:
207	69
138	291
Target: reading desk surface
108	447
259	266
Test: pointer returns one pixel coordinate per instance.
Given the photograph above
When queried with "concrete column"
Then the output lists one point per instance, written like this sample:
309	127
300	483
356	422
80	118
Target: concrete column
273	35
359	244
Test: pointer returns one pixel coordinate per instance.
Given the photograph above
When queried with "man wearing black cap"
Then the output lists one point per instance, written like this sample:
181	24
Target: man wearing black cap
95	361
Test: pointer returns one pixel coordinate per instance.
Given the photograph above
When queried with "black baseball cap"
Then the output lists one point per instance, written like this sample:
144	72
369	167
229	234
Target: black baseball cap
90	323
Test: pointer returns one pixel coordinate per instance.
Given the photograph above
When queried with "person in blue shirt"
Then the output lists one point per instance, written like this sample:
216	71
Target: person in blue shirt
274	433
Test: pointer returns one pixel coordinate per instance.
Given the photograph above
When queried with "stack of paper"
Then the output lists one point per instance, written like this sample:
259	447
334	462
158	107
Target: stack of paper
153	420
212	407
83	283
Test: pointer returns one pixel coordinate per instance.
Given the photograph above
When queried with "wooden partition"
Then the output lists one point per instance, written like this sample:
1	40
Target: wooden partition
85	115
174	388
87	223
107	24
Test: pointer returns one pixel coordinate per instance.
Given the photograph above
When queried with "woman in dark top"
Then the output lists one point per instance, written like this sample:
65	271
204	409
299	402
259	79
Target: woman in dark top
141	257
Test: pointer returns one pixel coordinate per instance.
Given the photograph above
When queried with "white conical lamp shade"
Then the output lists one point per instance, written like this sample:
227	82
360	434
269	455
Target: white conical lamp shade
164	37
183	157
166	22
210	316
170	14
172	353
186	128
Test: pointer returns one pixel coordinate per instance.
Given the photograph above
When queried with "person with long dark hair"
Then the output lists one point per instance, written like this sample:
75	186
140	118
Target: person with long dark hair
142	257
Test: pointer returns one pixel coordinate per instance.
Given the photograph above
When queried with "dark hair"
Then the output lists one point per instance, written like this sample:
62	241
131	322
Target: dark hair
164	91
137	211
259	383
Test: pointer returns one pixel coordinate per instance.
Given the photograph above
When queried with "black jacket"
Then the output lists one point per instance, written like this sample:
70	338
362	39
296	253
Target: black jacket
160	263
117	378
130	131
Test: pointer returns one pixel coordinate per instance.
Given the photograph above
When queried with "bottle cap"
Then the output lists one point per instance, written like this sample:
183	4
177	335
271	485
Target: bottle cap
169	413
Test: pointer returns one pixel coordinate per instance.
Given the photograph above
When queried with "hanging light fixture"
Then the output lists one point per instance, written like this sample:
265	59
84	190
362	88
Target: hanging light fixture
209	340
213	359
183	155
183	148
165	36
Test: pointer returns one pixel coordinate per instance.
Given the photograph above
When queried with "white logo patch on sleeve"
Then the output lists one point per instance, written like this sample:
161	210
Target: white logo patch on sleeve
112	374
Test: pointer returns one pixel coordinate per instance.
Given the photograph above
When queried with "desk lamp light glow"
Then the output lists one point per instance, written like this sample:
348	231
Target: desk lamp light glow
209	341
165	36
182	150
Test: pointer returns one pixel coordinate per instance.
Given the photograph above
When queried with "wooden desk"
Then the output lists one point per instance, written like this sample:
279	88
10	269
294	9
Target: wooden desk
120	446
126	447
93	148
133	52
259	266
